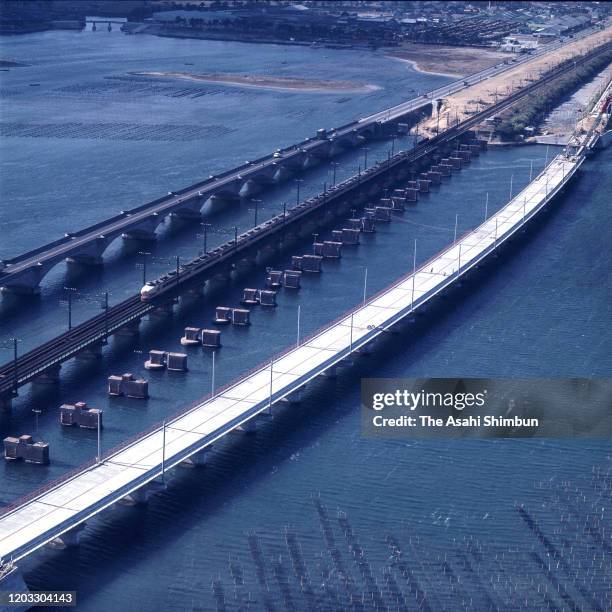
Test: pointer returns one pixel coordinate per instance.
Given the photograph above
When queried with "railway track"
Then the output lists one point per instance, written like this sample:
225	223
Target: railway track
97	329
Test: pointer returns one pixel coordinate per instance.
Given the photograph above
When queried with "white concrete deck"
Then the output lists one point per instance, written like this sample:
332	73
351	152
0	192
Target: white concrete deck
68	504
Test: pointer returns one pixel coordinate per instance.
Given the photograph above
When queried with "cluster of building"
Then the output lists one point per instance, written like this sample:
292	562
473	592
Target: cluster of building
350	23
376	24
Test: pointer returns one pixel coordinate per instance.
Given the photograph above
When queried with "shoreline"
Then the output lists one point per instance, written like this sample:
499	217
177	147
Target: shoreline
275	83
415	65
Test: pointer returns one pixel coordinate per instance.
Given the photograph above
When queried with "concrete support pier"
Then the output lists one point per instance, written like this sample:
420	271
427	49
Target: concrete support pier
131	329
68	539
198	459
50	376
142	495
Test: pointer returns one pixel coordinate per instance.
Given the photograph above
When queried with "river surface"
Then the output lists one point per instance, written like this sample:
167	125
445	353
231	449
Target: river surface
436	521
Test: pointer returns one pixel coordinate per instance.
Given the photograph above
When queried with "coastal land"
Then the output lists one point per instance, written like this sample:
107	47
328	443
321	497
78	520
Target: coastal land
446	60
464	103
265	82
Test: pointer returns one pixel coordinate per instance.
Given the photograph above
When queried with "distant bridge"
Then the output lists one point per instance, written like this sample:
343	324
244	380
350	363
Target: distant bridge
24	273
46	359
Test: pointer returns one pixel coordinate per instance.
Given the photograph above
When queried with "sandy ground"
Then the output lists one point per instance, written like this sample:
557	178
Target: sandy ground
448	61
267	82
468	101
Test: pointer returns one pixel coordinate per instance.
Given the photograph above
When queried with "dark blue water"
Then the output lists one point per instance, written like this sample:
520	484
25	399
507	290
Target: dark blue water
543	310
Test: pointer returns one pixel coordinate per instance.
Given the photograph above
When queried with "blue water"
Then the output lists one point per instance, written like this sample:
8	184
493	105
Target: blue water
542	310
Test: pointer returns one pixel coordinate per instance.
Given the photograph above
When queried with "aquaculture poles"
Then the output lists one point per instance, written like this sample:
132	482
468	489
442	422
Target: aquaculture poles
36	411
334	166
365	157
143	265
257	203
205	235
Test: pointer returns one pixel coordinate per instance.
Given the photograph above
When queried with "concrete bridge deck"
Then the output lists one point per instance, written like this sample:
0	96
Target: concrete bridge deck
60	508
24	273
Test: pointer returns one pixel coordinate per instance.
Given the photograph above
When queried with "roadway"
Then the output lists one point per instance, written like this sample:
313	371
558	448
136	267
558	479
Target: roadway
59	507
446	90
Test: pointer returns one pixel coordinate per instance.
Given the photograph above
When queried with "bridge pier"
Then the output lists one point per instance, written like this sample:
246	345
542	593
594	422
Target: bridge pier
129	329
6	401
330	372
69	539
243	266
163	310
20	289
142	495
50	376
266	253
295	397
249	426
85	260
195	292
92	352
198	459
